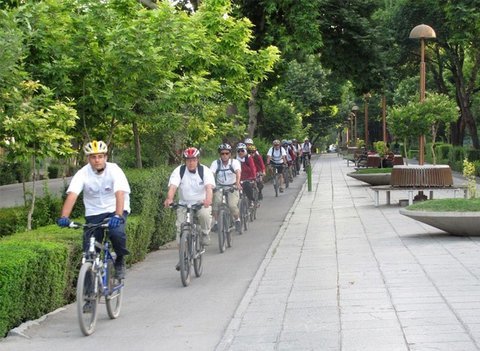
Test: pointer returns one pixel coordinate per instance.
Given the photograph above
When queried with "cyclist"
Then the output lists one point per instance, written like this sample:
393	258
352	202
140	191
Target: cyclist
290	158
195	182
306	151
260	166
277	158
227	173
106	194
298	153
249	171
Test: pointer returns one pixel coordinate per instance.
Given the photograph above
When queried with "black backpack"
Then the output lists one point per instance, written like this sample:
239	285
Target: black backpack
199	170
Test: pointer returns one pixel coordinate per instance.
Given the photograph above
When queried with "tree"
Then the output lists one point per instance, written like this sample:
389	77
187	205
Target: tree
420	118
37	129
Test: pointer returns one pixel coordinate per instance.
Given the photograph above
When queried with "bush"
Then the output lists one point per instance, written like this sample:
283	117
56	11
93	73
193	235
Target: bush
473	154
12	220
32	280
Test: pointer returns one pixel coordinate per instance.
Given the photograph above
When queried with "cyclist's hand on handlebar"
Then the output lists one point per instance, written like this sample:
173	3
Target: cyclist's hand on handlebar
115	221
167	202
207	203
63	221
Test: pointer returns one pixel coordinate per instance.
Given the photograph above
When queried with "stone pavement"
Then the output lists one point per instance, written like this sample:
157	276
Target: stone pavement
345	275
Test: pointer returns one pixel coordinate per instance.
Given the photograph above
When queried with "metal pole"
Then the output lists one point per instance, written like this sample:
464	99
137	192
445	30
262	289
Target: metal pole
309	177
421	141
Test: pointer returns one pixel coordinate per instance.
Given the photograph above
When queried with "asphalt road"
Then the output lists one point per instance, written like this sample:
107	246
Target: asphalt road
158	313
12	194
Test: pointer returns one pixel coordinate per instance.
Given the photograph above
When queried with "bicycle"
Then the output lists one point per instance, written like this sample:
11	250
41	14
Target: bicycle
96	279
254	205
191	248
224	220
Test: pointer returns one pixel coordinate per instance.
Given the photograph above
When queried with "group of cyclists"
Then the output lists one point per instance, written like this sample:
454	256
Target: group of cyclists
106	189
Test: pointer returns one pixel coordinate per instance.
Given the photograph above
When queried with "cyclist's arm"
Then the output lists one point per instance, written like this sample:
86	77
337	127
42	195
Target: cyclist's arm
172	189
208	195
119	202
238	176
68	204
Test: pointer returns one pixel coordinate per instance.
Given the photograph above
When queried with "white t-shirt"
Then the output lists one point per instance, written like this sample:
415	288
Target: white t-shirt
191	187
276	155
225	176
307	147
99	189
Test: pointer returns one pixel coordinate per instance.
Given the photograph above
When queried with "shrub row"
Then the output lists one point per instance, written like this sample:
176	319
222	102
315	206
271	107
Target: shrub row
452	155
39	268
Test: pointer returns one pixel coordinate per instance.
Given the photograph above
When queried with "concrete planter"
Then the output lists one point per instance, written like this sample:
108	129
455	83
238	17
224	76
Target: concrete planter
372	178
455	223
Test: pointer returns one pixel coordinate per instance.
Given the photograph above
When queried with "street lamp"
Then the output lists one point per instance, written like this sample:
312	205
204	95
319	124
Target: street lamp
366	97
355	109
422	32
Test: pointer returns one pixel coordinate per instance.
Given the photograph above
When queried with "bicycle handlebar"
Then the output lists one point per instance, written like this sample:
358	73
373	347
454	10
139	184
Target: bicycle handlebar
77	225
194	207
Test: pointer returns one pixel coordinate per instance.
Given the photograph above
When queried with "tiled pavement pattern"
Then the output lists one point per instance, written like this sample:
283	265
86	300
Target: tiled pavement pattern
345	275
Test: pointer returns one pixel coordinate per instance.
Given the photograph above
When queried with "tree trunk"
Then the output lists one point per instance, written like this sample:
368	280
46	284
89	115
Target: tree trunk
253	110
138	148
34	194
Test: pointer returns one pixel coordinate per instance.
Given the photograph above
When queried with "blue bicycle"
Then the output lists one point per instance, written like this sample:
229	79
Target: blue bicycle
96	279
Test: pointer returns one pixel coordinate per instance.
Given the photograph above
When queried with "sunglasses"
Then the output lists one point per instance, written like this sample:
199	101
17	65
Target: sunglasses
224	153
241	150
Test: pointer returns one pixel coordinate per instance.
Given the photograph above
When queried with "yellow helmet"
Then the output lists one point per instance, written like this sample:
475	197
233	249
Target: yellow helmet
95	147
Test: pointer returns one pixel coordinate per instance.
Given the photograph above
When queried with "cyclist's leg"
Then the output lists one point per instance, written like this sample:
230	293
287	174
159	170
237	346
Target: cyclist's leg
260	188
233	199
217	200
205	220
247	188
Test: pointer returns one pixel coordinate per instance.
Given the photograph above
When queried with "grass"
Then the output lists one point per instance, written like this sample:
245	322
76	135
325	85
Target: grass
447	205
373	170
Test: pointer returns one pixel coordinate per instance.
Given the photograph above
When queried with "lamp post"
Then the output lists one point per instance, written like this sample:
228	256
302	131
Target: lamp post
384	118
355	109
366	97
422	32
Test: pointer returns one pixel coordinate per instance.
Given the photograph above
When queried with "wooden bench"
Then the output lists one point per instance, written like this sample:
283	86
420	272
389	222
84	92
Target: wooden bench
411	190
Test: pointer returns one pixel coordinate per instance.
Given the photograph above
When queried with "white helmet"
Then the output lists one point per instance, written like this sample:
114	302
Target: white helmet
248	141
95	147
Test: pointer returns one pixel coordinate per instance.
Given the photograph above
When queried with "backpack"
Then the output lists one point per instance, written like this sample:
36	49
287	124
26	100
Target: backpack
199	170
224	170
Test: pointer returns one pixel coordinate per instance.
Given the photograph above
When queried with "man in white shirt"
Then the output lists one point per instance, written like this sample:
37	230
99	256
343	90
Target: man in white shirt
306	151
106	194
277	158
195	183
227	174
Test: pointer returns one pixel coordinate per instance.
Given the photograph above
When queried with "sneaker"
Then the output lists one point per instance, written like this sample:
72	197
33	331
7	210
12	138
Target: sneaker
205	239
177	266
259	202
88	307
281	190
120	271
238	226
214	228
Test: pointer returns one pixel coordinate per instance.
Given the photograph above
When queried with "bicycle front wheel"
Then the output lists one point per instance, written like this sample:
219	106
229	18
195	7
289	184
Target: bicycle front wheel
220	230
275	184
115	292
184	255
227	228
244	213
198	254
87	299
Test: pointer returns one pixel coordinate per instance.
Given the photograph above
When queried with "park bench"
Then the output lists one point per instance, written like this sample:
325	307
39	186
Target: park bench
411	190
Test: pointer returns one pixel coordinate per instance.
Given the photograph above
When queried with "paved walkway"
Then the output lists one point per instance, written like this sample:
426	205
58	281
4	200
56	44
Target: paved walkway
345	275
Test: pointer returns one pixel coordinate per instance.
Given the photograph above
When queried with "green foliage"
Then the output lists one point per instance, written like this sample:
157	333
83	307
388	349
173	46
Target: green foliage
447	205
469	174
12	220
380	147
33	278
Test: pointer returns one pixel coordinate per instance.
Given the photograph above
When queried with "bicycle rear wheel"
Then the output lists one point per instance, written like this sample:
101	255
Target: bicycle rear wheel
115	288
87	299
184	256
197	250
220	230
286	177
